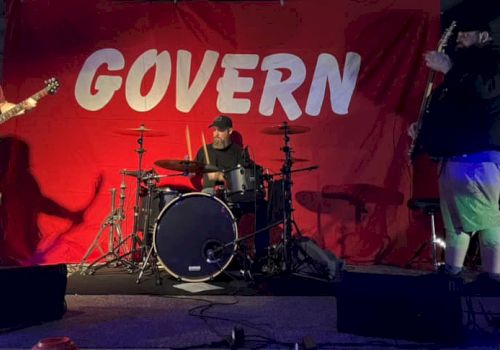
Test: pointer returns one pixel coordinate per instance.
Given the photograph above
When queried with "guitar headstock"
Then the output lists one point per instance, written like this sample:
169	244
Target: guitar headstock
51	85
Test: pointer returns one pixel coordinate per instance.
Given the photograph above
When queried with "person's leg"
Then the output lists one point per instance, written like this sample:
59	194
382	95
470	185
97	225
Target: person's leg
457	244
470	193
490	251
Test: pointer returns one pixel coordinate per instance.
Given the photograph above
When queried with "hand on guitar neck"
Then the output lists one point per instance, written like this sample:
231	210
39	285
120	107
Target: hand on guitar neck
438	61
9	110
27	105
413	130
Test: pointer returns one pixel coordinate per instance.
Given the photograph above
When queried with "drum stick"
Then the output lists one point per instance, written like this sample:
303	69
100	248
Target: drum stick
188	142
205	150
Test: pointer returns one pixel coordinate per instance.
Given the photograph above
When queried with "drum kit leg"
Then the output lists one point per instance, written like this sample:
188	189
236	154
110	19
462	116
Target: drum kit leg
120	249
116	245
195	235
289	255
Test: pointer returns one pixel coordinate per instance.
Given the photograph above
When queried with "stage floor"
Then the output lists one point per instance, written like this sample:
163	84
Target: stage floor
119	281
105	312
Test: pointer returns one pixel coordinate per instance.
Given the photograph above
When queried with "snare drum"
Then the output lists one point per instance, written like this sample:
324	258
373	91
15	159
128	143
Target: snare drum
244	184
194	237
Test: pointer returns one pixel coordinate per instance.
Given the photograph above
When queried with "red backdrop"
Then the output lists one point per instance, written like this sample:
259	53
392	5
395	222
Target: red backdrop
350	70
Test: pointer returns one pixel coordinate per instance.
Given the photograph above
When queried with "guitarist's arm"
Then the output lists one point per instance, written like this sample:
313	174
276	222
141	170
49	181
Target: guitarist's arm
438	62
28	104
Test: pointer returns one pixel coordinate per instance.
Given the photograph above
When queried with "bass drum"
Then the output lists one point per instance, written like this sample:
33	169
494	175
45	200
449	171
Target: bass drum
190	234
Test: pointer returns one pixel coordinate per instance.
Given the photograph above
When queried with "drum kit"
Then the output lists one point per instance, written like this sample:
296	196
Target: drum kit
192	235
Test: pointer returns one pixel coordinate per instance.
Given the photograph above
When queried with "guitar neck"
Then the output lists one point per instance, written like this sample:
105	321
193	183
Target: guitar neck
415	145
20	106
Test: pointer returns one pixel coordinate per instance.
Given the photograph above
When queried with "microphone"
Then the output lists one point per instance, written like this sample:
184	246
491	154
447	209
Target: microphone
210	256
212	251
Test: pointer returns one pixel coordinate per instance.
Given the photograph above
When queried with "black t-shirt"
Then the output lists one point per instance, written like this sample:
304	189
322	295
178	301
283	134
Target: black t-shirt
224	159
464	112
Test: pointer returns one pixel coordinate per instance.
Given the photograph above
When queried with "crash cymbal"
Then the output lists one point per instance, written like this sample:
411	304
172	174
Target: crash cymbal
280	129
142	130
189	166
294	160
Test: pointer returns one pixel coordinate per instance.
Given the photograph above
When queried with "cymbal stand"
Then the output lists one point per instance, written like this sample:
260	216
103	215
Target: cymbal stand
114	222
290	261
286	170
136	241
149	257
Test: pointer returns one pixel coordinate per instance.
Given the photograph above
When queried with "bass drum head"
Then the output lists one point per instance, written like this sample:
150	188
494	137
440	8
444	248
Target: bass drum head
188	234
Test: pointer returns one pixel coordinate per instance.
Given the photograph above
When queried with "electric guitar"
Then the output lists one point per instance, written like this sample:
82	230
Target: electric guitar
51	86
416	144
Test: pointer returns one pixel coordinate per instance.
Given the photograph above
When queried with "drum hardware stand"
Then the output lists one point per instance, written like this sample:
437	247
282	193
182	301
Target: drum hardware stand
287	203
148	253
212	253
149	258
245	270
246	265
288	257
113	221
136	241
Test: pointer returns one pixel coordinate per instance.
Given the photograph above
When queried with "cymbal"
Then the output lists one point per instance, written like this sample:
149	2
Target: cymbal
280	129
294	160
363	193
190	166
133	173
315	202
142	174
142	130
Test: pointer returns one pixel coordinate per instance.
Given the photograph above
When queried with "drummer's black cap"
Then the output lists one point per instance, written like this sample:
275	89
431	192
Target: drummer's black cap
472	15
473	23
222	122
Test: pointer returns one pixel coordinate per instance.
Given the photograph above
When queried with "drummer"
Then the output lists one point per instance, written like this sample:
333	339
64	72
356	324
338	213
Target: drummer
226	155
222	153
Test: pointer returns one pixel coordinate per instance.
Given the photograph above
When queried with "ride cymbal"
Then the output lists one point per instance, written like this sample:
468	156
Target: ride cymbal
142	130
189	166
285	128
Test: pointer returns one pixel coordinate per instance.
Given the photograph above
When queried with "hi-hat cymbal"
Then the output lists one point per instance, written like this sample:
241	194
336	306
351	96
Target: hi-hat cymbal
142	174
142	130
189	166
282	128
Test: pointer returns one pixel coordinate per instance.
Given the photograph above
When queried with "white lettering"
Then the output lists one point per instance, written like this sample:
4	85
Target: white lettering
106	85
231	83
186	97
282	91
341	91
142	64
93	92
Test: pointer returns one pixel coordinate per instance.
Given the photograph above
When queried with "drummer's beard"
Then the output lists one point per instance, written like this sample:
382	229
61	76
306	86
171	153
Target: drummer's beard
219	143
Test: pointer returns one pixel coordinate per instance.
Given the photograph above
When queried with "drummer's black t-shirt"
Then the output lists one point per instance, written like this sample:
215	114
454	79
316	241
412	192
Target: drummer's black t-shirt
224	159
